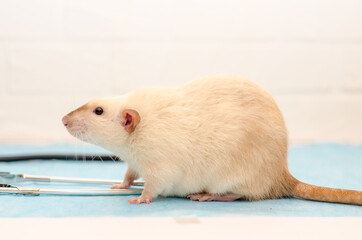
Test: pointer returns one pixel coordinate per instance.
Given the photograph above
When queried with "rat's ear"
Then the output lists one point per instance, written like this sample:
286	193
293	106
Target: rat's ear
130	119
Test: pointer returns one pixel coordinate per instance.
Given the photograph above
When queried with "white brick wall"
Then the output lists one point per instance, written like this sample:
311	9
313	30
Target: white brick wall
55	55
22	20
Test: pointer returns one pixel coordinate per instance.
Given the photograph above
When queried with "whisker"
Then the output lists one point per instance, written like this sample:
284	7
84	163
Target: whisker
100	157
111	157
89	139
76	150
83	154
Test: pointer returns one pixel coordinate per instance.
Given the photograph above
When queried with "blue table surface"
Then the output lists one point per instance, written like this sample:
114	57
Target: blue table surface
324	164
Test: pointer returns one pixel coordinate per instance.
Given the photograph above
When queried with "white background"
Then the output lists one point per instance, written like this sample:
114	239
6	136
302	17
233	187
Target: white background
56	55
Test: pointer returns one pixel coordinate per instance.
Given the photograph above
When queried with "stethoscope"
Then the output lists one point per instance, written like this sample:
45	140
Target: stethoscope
9	179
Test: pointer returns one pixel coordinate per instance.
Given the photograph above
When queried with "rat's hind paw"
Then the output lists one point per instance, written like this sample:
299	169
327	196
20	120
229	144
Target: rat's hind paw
206	197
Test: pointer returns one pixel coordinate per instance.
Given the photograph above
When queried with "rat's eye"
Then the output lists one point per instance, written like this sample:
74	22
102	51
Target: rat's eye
98	111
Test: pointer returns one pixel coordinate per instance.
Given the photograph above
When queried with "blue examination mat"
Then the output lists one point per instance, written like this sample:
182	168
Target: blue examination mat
327	164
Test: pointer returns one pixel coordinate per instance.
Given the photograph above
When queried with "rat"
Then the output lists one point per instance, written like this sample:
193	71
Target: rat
213	139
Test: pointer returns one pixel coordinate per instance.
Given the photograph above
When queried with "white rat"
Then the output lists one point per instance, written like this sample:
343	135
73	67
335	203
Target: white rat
215	139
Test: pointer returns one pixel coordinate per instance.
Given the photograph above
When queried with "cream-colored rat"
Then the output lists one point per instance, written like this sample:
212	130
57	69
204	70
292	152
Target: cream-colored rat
215	139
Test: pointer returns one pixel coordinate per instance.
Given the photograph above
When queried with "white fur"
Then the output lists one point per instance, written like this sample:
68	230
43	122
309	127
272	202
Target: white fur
215	135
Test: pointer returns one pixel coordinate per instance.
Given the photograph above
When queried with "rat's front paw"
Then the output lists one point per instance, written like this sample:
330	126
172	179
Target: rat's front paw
121	186
139	200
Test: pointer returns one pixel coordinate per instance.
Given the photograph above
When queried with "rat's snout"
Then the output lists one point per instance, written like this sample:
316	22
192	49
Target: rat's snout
65	120
75	124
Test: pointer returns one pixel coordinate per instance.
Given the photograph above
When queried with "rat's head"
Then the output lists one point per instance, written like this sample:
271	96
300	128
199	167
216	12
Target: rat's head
104	122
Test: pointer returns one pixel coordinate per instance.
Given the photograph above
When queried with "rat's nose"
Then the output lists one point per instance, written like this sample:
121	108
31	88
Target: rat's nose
65	120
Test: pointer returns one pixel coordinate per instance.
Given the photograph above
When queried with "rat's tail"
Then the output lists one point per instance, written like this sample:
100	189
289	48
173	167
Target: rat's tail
324	194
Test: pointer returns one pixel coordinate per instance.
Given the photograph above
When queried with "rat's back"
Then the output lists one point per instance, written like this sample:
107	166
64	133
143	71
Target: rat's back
219	134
